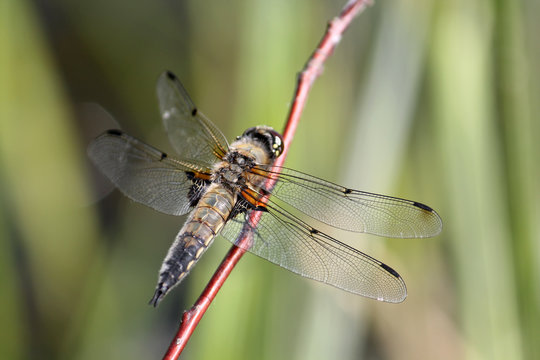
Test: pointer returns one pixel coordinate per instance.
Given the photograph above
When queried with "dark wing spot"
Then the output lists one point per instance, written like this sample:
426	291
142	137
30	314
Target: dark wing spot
194	112
314	231
347	191
390	270
197	189
422	206
115	132
170	75
241	207
163	156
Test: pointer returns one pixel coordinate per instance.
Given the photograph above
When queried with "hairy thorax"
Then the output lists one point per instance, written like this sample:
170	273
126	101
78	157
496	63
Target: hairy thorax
234	171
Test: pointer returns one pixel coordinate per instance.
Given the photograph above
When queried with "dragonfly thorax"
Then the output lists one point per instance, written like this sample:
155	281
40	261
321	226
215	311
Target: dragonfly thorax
232	170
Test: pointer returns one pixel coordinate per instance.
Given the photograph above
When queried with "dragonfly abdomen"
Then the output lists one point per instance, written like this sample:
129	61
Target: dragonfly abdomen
197	234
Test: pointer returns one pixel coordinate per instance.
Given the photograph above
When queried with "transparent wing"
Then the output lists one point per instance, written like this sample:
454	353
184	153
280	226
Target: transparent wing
352	210
287	241
145	174
193	136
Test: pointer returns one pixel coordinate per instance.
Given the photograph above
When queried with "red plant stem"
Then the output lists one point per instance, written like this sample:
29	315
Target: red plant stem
306	78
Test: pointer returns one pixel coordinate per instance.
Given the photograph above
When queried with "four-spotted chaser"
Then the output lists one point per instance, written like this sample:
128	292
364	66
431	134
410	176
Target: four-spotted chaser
220	185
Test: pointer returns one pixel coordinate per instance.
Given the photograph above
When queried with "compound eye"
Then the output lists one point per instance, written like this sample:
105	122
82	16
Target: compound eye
277	143
268	136
249	132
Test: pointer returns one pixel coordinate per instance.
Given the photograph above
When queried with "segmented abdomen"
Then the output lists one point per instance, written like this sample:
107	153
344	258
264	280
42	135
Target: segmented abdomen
197	234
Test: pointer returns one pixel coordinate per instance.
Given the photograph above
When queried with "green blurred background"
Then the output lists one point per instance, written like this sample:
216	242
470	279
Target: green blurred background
429	100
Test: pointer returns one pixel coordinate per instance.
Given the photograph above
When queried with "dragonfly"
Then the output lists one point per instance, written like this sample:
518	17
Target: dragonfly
223	186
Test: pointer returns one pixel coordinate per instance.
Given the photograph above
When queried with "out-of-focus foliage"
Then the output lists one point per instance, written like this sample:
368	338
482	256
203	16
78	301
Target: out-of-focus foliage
430	100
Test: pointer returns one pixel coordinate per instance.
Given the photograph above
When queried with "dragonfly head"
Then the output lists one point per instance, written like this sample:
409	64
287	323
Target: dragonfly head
268	137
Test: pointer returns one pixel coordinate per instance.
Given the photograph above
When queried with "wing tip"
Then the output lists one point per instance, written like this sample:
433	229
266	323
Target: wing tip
437	226
401	295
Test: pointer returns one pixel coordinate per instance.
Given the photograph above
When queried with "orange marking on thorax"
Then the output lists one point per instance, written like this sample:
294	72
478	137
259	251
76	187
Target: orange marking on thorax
253	198
269	175
202	176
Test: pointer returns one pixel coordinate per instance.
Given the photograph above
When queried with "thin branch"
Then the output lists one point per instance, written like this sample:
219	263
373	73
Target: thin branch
306	78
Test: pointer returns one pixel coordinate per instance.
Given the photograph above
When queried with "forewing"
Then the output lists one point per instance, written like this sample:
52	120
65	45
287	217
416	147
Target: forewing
193	136
287	241
352	210
145	174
